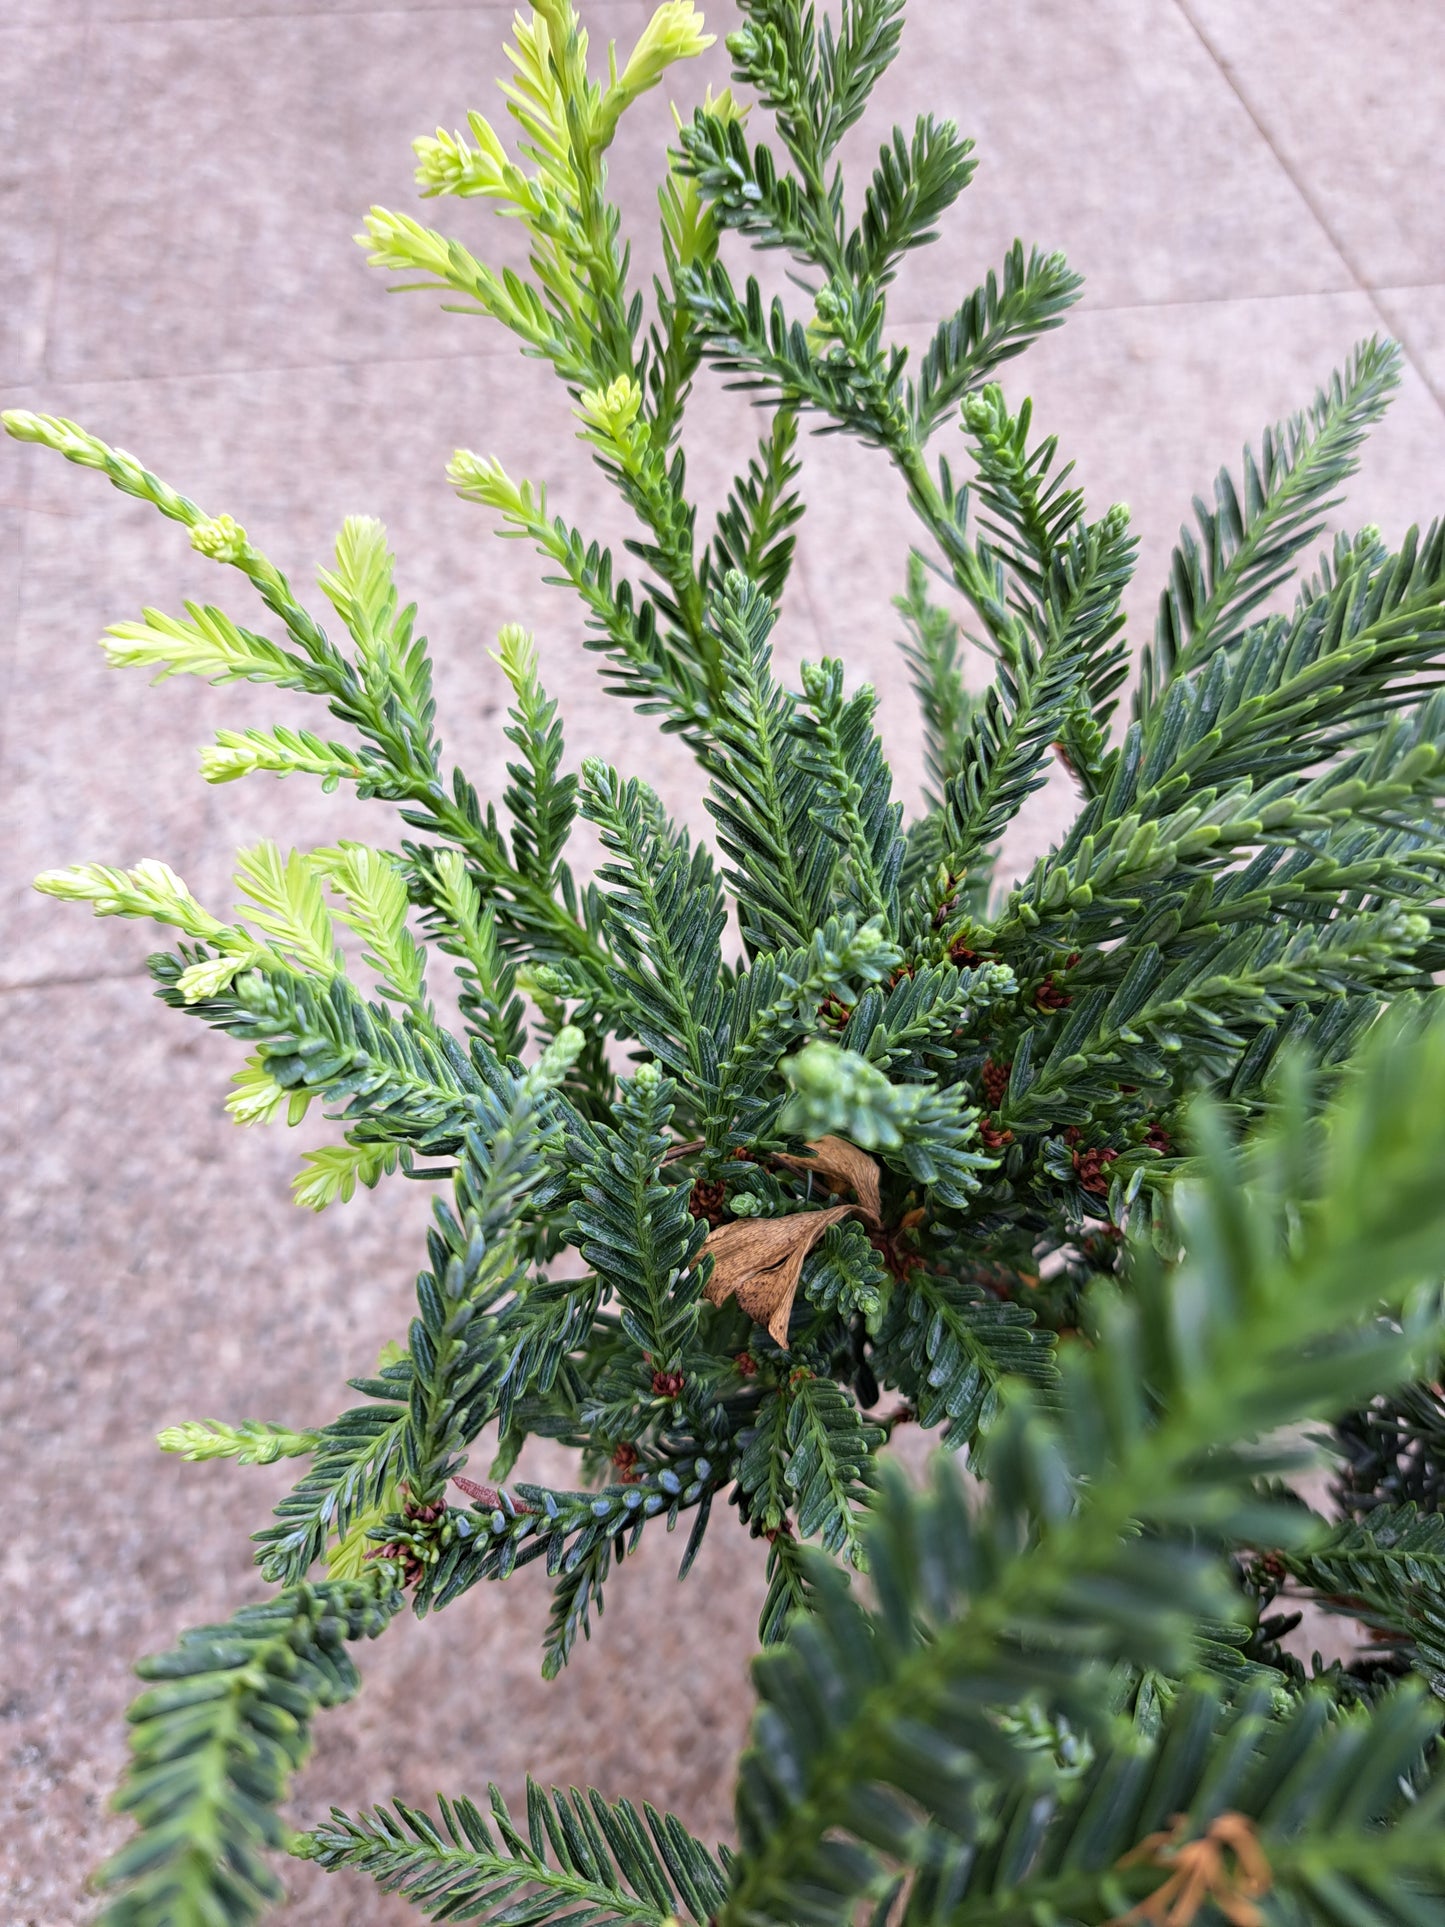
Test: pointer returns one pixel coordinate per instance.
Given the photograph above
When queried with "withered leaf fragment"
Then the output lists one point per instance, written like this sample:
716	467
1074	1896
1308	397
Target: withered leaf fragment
842	1167
760	1260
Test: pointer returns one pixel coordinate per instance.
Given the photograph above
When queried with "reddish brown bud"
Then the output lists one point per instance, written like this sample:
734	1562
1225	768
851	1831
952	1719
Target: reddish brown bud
1158	1139
1092	1170
745	1365
708	1199
893	1246
994	1079
1048	996
992	1138
667	1384
403	1556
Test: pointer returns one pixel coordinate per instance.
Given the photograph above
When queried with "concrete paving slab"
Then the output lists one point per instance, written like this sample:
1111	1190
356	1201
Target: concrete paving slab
122	1097
42	72
1352	100
1126	147
242	153
116	12
57	14
1111	135
1417	316
12	554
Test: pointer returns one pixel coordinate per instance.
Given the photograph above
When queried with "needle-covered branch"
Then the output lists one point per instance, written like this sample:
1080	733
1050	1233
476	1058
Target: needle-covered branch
1114	1177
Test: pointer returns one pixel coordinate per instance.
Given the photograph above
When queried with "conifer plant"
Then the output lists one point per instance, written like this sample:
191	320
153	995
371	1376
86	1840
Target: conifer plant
1122	1177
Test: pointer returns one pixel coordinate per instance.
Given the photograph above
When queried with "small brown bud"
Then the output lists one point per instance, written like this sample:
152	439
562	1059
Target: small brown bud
994	1079
893	1246
1048	996
1092	1170
708	1199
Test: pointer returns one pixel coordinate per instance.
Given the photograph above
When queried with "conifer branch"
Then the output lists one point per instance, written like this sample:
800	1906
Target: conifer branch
606	1866
842	755
931	651
635	1231
1249	540
450	1397
252	1442
1386	1569
1307	1811
926	1132
1272	1331
998	321
752	536
769	1006
215	1740
664	916
950	1348
760	794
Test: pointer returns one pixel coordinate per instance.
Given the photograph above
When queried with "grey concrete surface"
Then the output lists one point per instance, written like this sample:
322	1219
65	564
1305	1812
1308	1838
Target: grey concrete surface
1247	190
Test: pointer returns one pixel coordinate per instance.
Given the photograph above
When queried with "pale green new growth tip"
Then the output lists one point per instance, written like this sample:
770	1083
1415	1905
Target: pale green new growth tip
252	1442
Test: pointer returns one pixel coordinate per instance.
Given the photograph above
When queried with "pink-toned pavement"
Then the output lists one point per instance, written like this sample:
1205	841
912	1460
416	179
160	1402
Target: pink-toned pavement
1248	191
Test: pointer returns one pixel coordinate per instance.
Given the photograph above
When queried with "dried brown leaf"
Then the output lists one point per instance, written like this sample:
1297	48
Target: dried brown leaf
760	1260
842	1167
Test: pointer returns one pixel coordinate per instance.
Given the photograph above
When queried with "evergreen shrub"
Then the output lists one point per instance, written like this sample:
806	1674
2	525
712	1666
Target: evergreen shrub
1122	1177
